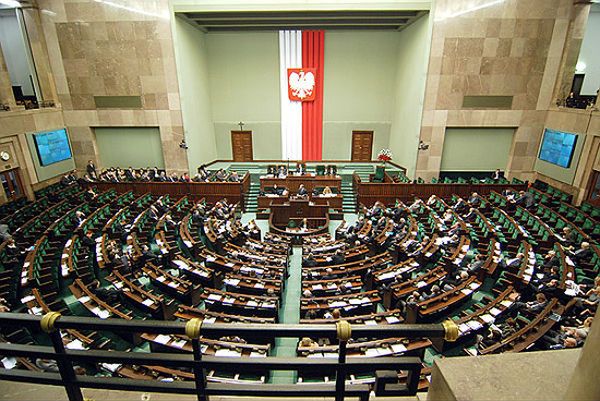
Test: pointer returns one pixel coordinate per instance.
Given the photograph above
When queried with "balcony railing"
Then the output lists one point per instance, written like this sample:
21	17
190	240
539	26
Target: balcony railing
53	323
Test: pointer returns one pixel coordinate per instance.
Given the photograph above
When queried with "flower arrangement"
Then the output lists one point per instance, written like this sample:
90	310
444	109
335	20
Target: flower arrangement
384	155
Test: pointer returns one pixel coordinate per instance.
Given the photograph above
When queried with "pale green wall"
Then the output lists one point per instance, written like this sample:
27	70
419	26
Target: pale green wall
358	88
46	172
411	75
192	70
566	175
124	147
476	149
244	86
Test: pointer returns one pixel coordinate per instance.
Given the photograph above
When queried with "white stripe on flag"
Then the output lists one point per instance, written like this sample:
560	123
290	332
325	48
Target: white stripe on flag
290	56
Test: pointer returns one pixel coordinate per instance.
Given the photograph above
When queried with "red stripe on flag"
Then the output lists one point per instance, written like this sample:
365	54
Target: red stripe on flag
313	46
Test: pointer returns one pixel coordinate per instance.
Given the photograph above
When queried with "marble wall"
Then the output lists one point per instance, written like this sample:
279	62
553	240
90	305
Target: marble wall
102	48
493	48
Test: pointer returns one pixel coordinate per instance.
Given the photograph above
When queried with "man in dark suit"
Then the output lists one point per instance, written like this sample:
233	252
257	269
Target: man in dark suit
525	199
583	254
129	174
514	262
309	261
91	170
302	191
338	258
276	190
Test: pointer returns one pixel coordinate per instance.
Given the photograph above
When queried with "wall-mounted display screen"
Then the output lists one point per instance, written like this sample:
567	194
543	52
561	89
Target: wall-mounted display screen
52	146
557	147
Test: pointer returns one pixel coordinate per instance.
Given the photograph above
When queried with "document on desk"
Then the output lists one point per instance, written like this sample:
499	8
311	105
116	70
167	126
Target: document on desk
398	348
487	318
179	343
162	339
372	352
392	319
371	322
75	344
214	297
495	311
148	302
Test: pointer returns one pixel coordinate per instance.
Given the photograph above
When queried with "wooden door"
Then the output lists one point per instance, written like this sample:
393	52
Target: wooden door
241	146
11	182
594	189
362	146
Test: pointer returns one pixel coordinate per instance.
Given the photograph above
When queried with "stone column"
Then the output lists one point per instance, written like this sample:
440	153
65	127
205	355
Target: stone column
584	383
6	94
39	52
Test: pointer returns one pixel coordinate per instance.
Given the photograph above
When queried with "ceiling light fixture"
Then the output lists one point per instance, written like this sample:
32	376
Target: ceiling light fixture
445	16
133	9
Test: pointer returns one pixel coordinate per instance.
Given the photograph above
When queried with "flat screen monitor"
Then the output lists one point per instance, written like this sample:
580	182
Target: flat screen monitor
558	147
52	146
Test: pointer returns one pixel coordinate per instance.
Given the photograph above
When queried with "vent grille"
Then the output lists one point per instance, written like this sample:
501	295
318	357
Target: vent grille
487	102
118	102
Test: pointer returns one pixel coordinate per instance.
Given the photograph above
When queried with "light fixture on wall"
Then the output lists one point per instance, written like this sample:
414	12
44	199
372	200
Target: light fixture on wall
580	67
423	145
183	145
10	3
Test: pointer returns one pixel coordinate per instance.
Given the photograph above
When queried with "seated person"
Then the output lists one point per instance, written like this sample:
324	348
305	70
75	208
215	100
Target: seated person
202	174
569	237
450	283
497	176
307	342
513	262
327	191
300	168
525	199
282	172
533	306
302	190
309	261
276	190
304	224
551	260
221	175
338	258
234	177
583	254
271	170
334	314
331	170
474	200
476	264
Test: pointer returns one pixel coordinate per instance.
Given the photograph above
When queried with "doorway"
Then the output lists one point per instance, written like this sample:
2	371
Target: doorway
594	189
362	146
241	146
11	182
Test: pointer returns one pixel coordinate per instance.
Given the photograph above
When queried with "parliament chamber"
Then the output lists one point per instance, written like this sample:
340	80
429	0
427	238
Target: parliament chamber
288	199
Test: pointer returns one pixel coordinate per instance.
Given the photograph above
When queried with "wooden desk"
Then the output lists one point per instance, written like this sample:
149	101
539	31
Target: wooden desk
334	202
310	181
296	210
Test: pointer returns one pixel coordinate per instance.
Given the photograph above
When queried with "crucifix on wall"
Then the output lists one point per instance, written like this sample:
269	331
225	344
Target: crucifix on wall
241	124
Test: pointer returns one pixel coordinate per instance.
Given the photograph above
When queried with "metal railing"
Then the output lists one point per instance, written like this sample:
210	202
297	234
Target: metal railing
52	324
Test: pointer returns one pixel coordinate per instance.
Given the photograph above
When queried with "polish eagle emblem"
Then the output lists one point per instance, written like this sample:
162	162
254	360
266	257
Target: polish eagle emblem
301	84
